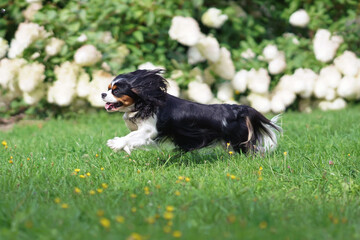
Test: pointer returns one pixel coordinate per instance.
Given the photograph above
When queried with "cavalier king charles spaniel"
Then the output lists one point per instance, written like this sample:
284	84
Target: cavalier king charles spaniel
153	115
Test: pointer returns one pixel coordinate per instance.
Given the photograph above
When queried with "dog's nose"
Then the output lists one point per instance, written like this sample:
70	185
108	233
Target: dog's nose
103	95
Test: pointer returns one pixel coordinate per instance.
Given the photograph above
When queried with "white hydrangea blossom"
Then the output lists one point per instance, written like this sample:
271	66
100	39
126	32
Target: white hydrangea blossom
83	84
259	102
9	69
209	48
35	96
248	54
225	92
82	38
4	47
173	88
87	55
305	79
337	104
98	85
300	18
348	64
348	88
239	82
54	46
31	76
31	10
278	64
26	34
199	92
325	45
149	66
185	30
213	18
195	56
270	52
224	67
281	99
331	75
258	81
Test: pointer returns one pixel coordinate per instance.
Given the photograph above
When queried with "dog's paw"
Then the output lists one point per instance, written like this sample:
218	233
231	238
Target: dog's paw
116	143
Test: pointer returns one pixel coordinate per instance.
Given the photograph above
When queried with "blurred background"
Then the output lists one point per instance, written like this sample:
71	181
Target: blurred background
56	57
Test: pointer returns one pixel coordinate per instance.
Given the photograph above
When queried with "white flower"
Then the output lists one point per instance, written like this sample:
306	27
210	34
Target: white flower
276	104
259	102
258	80
209	48
225	92
213	18
330	75
270	52
300	18
305	79
185	30
194	56
209	76
325	46
282	99
67	72
224	67
82	38
98	85
278	64
149	66
348	64
239	81
87	55
83	84
54	46
199	92
30	76
248	54
26	34
337	104
347	88
35	96
9	69
173	88
4	47
31	10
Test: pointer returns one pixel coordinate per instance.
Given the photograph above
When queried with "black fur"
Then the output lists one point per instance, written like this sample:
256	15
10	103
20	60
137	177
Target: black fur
192	125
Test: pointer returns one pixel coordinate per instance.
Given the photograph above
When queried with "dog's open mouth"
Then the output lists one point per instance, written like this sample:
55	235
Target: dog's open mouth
113	106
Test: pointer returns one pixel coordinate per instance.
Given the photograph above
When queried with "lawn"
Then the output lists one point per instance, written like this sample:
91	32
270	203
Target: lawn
58	180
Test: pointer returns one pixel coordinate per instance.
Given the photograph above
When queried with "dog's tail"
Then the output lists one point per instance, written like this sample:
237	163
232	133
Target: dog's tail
262	132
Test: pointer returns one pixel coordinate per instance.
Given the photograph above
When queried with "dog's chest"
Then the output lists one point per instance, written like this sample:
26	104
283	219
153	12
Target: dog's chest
130	124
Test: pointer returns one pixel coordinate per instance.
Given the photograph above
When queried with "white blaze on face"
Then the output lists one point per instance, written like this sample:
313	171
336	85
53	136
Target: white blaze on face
110	97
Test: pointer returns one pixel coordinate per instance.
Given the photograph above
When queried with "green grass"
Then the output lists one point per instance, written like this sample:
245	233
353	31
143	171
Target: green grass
300	196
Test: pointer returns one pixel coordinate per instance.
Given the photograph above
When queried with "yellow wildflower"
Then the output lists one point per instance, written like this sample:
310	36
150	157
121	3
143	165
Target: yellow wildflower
105	222
135	236
233	177
260	168
138	171
231	152
228	174
4	143
176	234
168	215
11	157
170	208
263	225
82	176
102	169
177	193
167	229
99	190
133	209
285	153
150	220
77	190
133	195
96	155
227	144
77	170
11	161
120	219
260	178
100	213
64	205
187	179
146	189
57	200
92	192
181	178
88	174
104	185
28	159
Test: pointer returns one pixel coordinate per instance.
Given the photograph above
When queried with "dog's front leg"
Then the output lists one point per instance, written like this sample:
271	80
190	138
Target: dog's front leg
145	135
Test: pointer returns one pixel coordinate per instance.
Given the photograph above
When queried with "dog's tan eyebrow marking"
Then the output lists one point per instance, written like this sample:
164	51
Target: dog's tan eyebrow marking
109	86
114	87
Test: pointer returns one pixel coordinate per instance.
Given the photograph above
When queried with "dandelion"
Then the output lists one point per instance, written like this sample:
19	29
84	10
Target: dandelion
104	185
105	222
168	215
135	236
181	178
231	153
28	159
64	205
187	179
77	170
92	192
260	168
4	143
167	229
233	177
146	189
260	178
138	171
11	157
177	234
263	225
150	220
82	176
99	190
349	155
170	208
11	161
228	174
133	195
120	219
88	174
177	193
133	209
100	213
77	190
57	200
227	144
96	155
102	169
285	154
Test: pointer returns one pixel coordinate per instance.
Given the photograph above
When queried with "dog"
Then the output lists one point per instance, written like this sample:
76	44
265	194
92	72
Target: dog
152	116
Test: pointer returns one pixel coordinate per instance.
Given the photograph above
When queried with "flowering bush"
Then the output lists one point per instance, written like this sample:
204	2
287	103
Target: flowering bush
270	55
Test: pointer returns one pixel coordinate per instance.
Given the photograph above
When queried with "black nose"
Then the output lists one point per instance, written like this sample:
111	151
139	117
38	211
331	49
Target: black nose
103	95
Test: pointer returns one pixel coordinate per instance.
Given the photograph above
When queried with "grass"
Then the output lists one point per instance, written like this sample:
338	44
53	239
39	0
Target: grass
309	188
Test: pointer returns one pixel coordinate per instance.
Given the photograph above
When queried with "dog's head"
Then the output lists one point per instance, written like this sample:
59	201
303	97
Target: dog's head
136	91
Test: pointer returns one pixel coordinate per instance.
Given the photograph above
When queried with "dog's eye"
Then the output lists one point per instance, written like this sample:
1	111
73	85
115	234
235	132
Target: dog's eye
116	91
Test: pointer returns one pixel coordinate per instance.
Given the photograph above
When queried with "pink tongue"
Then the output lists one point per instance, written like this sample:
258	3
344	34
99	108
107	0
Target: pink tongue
108	105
